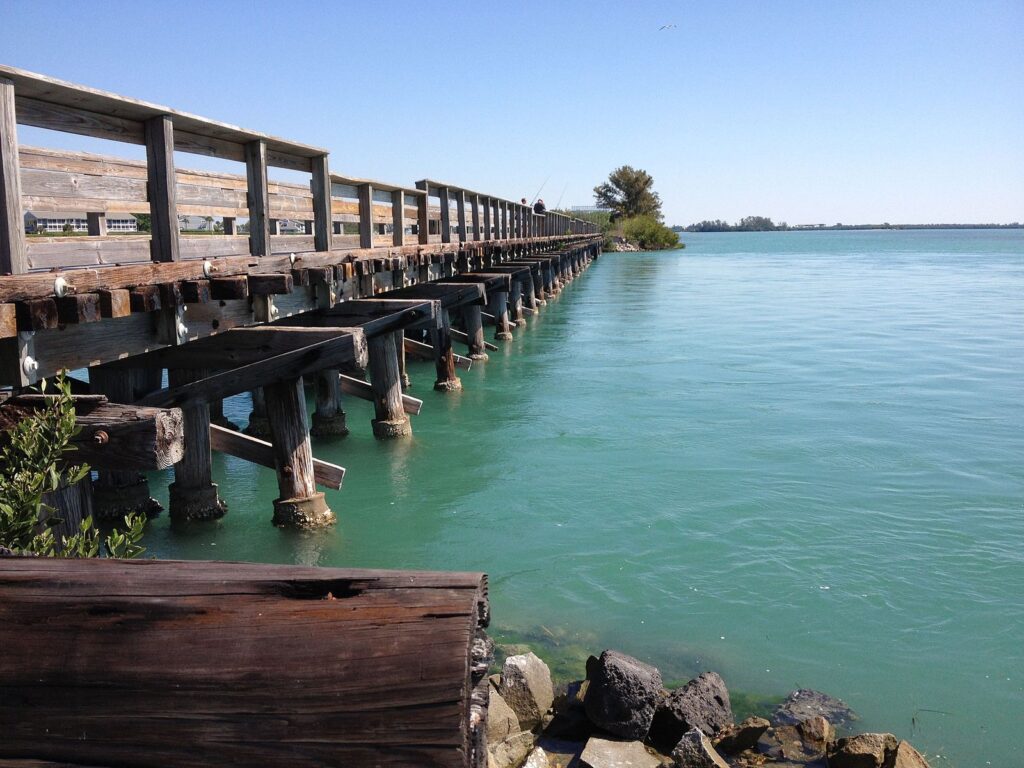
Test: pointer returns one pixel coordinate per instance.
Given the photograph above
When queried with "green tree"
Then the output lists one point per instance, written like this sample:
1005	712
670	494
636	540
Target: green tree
32	464
144	221
629	192
650	234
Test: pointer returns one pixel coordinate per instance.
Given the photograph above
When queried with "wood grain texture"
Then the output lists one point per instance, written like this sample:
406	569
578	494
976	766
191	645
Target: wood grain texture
13	258
208	664
258	198
113	435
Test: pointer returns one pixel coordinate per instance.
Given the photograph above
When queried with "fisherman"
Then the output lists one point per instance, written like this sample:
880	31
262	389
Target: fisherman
539	206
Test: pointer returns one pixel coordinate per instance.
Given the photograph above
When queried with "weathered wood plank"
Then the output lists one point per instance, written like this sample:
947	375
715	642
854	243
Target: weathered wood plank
116	303
270	284
8	321
362	389
321	186
79	308
422	351
261	452
397	691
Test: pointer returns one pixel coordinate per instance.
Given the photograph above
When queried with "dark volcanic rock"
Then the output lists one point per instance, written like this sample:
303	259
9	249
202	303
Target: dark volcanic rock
738	738
622	694
806	703
702	703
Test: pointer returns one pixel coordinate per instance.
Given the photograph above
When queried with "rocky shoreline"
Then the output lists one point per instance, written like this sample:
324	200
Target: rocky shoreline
621	716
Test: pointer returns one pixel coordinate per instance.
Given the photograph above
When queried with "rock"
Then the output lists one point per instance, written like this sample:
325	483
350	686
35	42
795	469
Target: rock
608	753
694	750
908	757
785	742
805	703
737	738
511	752
702	703
526	687
537	759
622	694
816	731
868	750
561	753
501	719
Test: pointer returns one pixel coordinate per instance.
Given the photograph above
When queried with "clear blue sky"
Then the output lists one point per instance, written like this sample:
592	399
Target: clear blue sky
803	111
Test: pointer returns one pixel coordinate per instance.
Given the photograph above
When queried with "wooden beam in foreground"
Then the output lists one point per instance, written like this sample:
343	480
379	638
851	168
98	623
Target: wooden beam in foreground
391	667
261	452
113	436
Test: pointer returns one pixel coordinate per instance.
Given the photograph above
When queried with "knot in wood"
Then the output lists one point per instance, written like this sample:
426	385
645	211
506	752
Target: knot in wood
287	470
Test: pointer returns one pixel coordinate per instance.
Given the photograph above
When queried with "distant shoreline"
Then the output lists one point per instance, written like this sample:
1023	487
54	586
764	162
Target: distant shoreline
853	227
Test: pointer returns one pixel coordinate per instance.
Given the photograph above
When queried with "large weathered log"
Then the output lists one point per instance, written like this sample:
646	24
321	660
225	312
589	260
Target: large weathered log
209	664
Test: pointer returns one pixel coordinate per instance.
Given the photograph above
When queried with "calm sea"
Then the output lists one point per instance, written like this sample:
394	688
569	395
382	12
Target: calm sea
794	458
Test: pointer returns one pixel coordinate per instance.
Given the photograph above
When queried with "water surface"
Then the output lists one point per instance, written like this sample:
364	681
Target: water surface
794	458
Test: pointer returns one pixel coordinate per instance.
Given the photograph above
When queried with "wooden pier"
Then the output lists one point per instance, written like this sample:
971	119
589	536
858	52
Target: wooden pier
380	274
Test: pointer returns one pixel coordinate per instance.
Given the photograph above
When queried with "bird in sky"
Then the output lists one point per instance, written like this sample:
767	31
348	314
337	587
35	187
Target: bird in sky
666	26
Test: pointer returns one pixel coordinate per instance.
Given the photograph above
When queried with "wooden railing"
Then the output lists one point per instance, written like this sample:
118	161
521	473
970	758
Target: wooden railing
339	213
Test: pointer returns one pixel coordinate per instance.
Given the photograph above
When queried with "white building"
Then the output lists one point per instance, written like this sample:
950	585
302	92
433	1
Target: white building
56	221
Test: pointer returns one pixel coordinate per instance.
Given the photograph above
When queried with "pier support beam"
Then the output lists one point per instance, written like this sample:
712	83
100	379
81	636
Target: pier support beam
299	504
444	357
329	416
472	319
497	305
193	494
385	380
116	494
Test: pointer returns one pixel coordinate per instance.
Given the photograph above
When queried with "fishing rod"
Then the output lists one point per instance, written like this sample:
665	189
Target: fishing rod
541	189
558	205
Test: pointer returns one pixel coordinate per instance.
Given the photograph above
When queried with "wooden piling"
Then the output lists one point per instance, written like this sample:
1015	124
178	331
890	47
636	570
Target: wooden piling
258	425
299	504
497	304
119	493
193	494
403	373
385	380
329	416
472	319
444	357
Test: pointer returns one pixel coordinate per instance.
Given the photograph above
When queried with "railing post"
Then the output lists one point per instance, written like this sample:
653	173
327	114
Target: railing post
163	207
504	219
321	186
258	198
366	216
460	201
487	218
423	213
97	223
398	217
13	259
446	215
476	217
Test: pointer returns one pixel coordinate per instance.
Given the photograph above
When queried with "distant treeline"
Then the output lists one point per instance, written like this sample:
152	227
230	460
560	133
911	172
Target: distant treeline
764	224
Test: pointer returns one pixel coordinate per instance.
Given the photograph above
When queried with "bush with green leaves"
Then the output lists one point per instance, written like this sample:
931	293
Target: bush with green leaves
650	234
32	464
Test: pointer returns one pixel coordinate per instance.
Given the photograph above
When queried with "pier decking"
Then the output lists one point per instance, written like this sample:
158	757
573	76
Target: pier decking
379	271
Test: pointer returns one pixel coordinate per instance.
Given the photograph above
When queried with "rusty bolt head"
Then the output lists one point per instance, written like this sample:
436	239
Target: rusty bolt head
100	437
286	470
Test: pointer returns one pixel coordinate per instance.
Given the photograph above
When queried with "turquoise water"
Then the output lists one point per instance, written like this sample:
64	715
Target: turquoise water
795	458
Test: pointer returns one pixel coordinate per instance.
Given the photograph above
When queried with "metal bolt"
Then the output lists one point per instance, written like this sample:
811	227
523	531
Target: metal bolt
29	365
208	269
286	470
100	437
61	287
